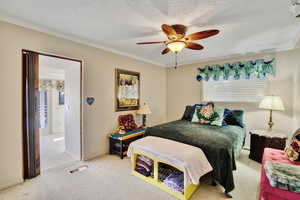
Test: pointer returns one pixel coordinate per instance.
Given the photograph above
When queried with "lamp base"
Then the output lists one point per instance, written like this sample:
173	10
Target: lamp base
144	121
271	124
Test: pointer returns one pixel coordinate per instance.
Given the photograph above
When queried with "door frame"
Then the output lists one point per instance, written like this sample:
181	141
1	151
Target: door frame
25	160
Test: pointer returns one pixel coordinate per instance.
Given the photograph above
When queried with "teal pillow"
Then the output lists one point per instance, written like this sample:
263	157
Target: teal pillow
234	117
195	115
219	121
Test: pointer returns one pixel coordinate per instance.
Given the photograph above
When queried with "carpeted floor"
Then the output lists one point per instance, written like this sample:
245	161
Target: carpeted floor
109	178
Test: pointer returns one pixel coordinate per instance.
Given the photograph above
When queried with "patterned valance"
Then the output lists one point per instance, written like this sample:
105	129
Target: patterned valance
46	85
258	68
60	86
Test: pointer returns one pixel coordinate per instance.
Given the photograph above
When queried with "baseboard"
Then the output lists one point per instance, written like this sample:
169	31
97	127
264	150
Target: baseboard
91	157
11	183
72	155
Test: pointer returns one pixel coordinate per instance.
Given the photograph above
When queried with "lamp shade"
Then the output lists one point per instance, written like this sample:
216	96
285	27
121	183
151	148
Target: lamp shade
271	103
176	46
144	110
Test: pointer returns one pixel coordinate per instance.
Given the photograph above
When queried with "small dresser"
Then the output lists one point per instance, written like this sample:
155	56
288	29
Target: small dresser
260	139
118	143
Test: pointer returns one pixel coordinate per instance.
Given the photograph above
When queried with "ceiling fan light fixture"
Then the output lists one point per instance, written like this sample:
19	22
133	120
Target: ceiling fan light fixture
176	46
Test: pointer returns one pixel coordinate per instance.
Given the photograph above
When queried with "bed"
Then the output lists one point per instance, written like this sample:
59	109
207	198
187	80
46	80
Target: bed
220	144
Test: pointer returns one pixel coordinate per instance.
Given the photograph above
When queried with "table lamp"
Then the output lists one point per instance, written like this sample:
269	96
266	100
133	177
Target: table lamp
271	103
144	110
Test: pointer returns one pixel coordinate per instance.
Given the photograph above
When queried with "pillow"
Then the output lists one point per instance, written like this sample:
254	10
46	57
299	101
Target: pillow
188	114
207	114
195	114
196	105
219	120
226	112
293	149
234	117
193	111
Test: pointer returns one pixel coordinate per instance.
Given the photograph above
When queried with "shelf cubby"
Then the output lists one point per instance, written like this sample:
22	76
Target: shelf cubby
188	190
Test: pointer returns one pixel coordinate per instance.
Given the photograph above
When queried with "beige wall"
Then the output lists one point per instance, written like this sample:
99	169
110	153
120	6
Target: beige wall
98	81
297	100
183	89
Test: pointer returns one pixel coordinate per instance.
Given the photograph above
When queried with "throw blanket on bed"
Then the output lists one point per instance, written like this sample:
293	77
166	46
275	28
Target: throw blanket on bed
220	144
283	176
191	159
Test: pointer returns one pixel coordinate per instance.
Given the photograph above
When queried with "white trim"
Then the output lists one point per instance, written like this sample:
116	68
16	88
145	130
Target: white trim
73	155
93	156
32	26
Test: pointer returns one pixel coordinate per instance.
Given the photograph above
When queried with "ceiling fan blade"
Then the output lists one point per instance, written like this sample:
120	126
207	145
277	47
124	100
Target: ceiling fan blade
194	46
151	42
202	34
180	30
165	51
169	31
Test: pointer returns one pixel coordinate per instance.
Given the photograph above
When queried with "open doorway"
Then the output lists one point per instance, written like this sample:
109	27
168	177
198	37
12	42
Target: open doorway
52	111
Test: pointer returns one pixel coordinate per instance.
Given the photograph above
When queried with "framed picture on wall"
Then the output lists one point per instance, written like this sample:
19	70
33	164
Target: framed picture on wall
127	90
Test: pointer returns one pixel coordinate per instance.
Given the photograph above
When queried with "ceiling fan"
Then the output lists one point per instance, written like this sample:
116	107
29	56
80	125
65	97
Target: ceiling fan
178	39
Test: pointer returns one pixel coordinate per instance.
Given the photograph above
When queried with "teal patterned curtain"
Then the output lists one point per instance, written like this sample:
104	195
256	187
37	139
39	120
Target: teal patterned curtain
237	70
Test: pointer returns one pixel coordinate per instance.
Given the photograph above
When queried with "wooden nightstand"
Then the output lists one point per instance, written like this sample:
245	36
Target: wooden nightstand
261	139
118	143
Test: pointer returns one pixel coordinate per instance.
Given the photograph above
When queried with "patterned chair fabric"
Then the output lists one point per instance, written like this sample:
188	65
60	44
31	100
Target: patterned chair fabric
292	151
268	192
127	122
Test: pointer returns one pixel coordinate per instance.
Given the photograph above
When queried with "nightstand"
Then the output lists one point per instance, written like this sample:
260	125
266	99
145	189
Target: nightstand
263	138
119	143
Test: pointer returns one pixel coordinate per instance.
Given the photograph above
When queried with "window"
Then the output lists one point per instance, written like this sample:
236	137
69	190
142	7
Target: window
43	109
243	90
61	98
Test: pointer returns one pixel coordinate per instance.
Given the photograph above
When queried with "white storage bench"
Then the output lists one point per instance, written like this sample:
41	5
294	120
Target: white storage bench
188	159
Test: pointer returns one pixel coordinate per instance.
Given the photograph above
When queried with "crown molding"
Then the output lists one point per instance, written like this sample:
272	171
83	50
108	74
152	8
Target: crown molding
29	25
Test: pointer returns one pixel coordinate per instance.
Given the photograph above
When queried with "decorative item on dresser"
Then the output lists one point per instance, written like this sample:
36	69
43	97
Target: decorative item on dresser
127	132
264	138
271	103
144	110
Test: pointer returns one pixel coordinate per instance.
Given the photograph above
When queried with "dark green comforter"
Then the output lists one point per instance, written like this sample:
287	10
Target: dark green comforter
219	143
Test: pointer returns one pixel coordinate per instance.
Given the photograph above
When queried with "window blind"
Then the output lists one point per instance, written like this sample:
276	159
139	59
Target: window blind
244	90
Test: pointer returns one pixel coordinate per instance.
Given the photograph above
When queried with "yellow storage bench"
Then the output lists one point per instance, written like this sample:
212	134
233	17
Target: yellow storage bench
185	158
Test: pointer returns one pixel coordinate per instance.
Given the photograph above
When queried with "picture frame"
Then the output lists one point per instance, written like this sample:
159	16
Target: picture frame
127	90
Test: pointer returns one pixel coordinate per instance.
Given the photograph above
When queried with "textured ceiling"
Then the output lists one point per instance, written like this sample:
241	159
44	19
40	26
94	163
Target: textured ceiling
247	26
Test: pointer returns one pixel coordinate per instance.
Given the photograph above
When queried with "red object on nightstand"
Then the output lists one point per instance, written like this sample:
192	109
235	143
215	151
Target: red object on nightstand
127	121
267	192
